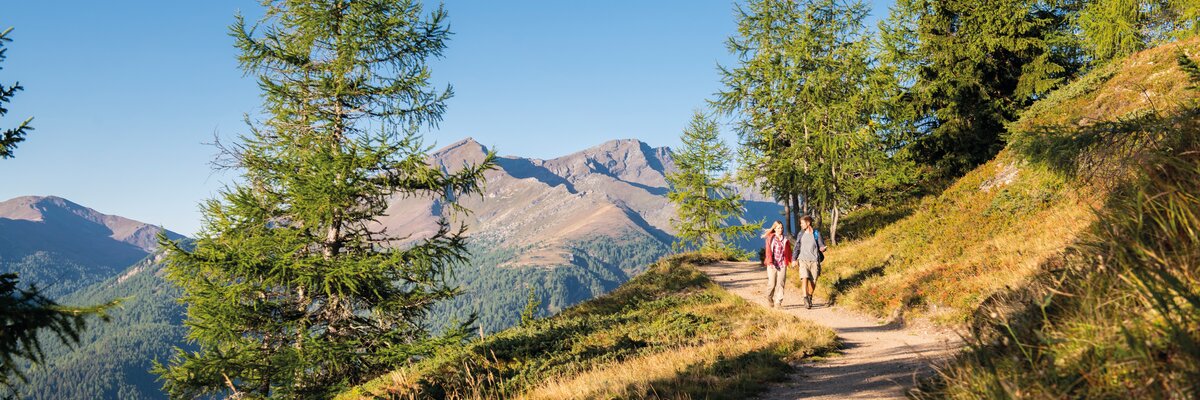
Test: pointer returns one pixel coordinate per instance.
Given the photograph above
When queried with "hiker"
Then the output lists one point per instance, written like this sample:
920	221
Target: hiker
810	251
778	255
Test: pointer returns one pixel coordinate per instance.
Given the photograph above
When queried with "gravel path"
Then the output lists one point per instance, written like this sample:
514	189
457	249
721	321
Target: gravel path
876	361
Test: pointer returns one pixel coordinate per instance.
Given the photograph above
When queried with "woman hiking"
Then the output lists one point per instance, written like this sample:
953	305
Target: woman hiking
777	257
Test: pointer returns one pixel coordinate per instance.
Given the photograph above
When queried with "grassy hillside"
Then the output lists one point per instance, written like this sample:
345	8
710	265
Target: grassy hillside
669	332
1072	257
998	226
1118	314
986	233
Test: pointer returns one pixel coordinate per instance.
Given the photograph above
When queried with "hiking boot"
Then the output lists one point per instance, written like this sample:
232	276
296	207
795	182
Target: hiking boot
808	302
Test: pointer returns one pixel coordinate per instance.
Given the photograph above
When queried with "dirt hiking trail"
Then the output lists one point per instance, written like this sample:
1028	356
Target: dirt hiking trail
876	361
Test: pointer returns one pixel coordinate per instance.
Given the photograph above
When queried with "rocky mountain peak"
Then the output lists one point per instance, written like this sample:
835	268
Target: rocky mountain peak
56	214
628	160
466	151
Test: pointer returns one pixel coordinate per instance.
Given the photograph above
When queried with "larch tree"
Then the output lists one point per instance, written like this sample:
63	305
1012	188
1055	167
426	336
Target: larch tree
708	208
293	290
1115	28
838	141
802	90
1112	28
760	91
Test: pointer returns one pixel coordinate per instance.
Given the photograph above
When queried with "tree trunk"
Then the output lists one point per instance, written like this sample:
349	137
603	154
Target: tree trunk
833	209
796	206
834	214
787	216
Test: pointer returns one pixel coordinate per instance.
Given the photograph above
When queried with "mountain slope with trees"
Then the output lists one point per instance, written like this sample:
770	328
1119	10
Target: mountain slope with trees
63	246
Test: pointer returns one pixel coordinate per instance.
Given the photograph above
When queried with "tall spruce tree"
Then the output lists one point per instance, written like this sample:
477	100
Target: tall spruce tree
982	62
11	136
701	190
293	290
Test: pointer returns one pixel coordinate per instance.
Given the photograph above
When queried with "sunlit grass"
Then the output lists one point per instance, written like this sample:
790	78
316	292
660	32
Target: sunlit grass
668	333
1117	314
987	232
997	227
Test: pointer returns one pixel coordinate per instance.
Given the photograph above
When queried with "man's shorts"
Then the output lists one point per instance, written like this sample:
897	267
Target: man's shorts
809	269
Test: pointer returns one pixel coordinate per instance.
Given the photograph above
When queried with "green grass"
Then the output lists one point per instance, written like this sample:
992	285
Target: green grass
669	333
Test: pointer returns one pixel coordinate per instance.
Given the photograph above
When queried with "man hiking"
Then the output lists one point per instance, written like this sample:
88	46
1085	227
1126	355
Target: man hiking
777	257
810	249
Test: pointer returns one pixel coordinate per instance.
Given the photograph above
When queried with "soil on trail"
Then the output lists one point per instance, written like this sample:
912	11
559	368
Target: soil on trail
876	361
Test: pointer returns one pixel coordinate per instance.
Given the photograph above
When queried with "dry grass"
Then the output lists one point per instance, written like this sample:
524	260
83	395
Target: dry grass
668	333
987	232
643	377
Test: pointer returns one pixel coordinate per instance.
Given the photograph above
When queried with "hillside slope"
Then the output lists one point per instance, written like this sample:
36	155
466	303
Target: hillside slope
668	333
1072	257
113	359
996	227
1118	315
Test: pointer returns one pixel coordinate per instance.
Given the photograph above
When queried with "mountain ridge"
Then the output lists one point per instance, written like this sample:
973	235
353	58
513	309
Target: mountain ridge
62	246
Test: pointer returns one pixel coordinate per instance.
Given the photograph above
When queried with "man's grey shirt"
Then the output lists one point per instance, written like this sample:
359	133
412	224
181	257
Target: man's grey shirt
808	245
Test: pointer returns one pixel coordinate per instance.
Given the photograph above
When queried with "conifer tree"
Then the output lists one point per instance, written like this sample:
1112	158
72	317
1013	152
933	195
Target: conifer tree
1116	28
705	203
803	92
981	64
1112	28
24	313
293	290
760	91
11	136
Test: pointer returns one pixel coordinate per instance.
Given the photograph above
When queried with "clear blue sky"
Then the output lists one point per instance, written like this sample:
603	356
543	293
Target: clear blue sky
125	93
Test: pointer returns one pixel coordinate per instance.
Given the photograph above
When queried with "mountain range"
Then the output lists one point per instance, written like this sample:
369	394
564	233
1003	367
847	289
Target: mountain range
565	229
64	246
